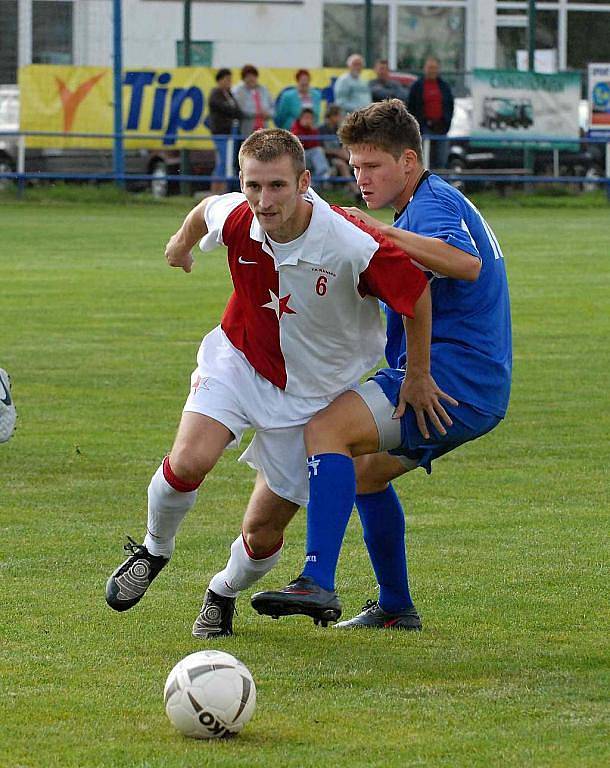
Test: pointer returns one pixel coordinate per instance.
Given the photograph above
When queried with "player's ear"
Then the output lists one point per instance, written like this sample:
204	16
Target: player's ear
304	182
409	159
241	181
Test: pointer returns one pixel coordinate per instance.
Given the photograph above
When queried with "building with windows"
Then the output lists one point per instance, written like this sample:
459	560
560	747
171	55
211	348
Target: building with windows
311	33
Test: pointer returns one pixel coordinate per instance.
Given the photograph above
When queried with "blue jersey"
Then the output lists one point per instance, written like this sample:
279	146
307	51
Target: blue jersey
471	329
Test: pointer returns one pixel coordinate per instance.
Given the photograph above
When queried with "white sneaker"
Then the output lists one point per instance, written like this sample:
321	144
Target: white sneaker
8	414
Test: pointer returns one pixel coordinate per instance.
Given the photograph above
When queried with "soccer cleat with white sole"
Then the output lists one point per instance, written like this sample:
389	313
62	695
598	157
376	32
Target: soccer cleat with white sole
128	584
374	617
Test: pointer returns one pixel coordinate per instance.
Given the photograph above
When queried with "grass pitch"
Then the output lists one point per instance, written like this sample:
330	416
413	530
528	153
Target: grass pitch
507	546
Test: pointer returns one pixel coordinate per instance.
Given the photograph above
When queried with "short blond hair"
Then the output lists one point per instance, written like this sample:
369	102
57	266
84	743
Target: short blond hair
268	144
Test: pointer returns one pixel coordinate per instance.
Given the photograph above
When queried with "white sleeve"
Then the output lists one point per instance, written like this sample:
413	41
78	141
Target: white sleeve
216	212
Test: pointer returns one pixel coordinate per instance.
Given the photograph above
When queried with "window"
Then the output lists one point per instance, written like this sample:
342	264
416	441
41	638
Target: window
588	38
509	41
8	41
514	38
429	31
51	32
344	32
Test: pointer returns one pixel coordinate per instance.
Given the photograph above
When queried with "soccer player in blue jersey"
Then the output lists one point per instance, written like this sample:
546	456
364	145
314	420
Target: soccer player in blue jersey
384	421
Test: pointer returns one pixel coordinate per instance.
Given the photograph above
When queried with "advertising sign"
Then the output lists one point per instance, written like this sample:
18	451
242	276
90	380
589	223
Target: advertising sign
165	103
599	99
513	104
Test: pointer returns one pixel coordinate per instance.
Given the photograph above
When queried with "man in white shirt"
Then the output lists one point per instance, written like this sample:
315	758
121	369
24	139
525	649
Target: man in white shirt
351	91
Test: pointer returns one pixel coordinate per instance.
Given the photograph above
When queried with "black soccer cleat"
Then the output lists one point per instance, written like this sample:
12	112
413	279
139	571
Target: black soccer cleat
215	618
374	617
129	582
302	596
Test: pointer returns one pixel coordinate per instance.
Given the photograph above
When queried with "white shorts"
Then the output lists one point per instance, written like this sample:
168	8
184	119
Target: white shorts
388	428
225	387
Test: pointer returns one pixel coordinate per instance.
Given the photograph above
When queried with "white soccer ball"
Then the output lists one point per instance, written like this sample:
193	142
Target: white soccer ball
209	695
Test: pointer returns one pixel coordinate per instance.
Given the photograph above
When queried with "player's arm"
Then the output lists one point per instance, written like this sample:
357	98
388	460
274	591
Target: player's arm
431	252
179	247
419	390
393	278
435	255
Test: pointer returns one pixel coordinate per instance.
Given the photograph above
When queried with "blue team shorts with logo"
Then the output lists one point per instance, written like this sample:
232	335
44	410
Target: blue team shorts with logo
468	423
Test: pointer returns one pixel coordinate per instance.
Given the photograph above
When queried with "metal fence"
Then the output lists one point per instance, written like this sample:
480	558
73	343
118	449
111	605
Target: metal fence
536	160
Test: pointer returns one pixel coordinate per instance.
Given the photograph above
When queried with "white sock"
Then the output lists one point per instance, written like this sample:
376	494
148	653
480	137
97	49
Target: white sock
167	508
241	571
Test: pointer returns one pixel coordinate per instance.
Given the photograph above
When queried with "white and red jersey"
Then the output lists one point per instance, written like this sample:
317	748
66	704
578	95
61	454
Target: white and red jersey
311	324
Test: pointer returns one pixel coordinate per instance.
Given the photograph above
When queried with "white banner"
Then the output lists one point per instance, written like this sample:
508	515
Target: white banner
512	104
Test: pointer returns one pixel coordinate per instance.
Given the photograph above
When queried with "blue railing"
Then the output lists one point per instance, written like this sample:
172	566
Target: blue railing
599	160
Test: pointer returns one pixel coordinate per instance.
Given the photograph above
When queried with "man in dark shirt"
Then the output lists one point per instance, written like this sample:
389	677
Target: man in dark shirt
223	111
384	86
431	103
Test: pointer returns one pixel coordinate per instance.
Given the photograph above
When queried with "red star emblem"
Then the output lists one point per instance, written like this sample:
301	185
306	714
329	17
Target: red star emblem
279	305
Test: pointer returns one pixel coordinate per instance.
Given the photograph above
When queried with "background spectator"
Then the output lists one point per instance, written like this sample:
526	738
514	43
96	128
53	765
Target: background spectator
293	100
351	91
223	111
314	152
385	87
336	155
254	100
431	103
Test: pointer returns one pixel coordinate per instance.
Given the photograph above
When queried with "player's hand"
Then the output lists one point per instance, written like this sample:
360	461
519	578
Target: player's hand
369	220
178	255
421	392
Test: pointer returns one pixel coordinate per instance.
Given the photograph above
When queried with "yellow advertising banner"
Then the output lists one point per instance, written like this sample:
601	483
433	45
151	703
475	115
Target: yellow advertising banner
168	105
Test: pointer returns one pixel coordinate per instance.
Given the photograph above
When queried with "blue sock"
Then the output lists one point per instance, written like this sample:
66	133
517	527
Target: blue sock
383	525
332	489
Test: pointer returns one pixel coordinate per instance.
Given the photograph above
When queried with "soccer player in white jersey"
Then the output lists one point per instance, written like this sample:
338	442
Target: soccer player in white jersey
470	357
301	327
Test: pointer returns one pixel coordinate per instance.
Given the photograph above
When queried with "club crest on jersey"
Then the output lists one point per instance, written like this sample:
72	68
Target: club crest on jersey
279	304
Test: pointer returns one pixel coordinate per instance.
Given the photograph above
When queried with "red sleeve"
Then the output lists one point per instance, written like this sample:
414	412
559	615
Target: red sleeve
391	275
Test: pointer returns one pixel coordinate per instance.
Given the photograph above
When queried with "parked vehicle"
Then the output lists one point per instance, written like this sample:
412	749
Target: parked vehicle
469	157
93	161
168	163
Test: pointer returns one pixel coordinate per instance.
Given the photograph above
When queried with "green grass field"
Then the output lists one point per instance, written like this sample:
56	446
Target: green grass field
507	538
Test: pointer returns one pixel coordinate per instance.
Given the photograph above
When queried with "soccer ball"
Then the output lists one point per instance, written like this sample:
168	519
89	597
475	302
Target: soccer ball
209	695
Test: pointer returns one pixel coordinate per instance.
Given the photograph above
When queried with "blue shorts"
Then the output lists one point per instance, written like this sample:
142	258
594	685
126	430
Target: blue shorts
468	424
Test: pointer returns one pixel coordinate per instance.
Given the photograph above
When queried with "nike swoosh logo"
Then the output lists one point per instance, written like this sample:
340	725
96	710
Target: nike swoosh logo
243	261
6	398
